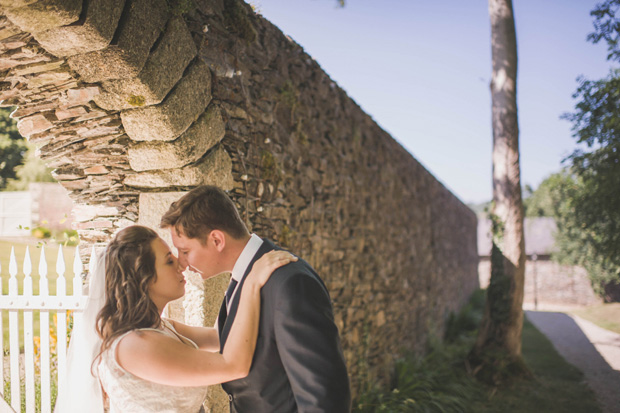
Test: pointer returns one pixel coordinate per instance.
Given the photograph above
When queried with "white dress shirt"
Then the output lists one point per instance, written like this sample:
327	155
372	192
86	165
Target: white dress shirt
242	263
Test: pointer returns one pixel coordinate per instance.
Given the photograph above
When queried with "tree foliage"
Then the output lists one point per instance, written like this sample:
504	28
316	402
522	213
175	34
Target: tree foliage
543	201
607	27
588	210
12	148
566	197
33	169
19	165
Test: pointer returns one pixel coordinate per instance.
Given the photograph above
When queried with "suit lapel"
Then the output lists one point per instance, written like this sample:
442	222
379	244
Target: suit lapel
228	320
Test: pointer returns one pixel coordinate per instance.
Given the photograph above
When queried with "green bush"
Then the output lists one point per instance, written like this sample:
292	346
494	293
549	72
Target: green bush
438	381
466	321
41	232
67	237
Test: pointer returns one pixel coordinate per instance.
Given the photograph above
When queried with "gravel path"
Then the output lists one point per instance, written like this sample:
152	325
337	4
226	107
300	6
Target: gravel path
592	349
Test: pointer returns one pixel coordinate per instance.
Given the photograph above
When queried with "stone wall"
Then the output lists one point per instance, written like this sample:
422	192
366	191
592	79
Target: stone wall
133	100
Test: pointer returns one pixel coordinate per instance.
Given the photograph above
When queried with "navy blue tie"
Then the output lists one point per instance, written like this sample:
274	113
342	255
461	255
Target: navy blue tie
230	290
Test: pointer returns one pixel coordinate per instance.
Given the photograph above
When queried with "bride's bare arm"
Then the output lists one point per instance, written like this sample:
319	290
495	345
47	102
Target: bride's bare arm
161	359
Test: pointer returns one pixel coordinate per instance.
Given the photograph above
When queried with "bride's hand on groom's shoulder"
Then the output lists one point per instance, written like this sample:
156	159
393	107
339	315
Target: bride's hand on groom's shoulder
267	264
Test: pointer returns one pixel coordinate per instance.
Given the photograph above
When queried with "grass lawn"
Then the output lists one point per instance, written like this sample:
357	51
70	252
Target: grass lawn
439	382
558	386
604	315
51	256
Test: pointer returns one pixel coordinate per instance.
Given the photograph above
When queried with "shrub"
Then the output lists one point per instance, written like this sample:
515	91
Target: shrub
436	382
67	237
41	232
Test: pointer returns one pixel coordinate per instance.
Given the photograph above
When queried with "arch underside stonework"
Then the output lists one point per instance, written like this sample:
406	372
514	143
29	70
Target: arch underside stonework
134	102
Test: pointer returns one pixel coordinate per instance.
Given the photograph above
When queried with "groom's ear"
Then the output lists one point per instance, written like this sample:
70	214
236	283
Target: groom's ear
218	239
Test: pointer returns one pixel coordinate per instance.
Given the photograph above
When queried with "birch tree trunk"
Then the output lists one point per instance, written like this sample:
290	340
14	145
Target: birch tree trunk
499	339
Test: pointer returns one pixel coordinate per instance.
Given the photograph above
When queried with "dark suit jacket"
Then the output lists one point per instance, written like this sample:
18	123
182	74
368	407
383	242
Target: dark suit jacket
298	364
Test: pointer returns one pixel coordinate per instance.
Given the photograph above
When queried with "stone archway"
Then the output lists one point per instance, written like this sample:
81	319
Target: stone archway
134	101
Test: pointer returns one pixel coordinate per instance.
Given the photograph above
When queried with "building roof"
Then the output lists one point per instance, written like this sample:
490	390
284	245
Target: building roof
539	236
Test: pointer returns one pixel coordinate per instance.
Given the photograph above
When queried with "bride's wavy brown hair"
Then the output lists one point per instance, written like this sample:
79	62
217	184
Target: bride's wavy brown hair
129	270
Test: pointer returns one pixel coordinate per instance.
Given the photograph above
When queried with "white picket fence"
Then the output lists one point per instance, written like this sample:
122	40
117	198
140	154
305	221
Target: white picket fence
27	303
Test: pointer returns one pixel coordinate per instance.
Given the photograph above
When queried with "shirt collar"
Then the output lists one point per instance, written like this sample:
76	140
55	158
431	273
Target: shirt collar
250	250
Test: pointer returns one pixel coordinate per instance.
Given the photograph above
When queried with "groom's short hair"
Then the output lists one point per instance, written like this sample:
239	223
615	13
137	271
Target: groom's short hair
202	210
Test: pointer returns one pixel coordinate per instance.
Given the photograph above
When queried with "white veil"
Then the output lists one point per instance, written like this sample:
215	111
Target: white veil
81	391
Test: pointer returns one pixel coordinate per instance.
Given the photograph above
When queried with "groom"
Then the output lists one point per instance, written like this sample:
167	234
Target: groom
298	364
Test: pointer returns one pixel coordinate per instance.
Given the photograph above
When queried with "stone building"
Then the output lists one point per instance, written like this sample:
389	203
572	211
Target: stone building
44	204
547	283
133	102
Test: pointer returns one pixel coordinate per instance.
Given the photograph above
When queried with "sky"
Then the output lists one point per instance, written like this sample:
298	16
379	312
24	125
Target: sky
422	68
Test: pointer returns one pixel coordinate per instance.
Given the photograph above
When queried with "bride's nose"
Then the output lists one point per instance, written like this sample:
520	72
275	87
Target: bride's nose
182	262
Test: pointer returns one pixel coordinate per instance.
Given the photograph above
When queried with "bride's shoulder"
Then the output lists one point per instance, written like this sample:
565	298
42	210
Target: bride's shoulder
141	344
140	339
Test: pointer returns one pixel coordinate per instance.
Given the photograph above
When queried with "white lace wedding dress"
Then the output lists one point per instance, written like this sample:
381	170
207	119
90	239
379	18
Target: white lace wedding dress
130	394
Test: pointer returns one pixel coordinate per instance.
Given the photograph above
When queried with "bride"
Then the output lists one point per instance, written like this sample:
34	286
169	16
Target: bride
125	355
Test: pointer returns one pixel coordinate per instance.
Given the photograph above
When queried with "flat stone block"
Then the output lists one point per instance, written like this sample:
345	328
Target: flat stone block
163	69
123	223
143	22
33	124
8	29
10	4
96	170
63	114
93	225
216	169
80	96
166	121
205	133
94	34
152	206
53	78
45	14
37	68
84	212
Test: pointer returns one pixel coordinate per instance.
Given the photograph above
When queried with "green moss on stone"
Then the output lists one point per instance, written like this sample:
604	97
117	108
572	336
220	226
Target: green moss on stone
136	100
180	7
237	20
357	136
285	236
271	171
288	94
364	376
303	138
500	287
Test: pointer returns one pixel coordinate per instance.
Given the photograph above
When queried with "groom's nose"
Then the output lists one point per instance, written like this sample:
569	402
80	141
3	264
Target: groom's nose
183	262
